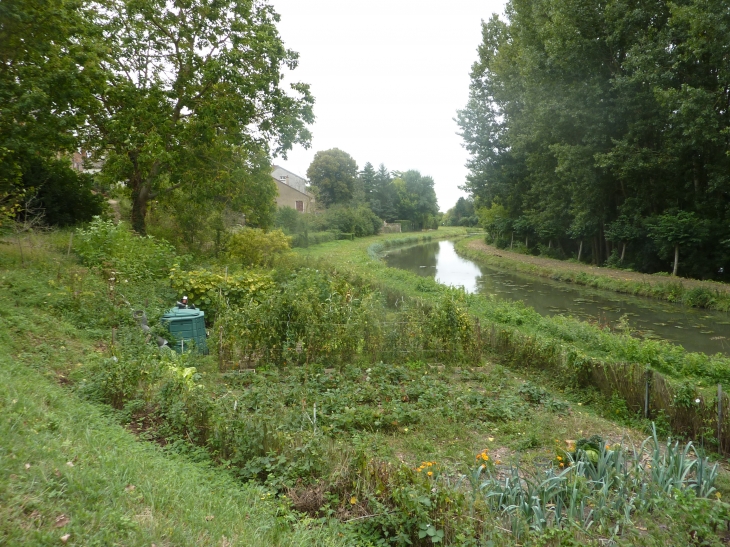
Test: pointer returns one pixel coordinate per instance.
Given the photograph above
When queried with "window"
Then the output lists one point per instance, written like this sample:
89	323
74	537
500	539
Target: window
300	206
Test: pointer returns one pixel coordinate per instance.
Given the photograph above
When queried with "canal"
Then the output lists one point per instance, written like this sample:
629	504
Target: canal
694	329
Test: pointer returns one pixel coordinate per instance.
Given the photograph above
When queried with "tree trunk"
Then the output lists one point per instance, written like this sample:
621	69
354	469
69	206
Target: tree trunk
512	242
139	209
526	241
676	259
580	249
550	243
623	253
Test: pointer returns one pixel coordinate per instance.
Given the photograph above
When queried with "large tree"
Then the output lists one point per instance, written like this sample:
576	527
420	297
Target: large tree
580	112
333	174
188	87
44	83
416	198
384	198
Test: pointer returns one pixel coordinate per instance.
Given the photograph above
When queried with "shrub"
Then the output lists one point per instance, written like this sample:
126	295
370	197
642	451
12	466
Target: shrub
118	248
360	221
288	219
64	195
312	238
255	247
204	287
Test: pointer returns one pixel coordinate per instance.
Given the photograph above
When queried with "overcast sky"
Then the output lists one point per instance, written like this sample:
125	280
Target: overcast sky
388	77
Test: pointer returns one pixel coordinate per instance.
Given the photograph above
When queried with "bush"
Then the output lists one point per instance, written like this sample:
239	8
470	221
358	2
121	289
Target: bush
204	288
254	247
288	219
360	221
405	225
64	195
312	238
119	249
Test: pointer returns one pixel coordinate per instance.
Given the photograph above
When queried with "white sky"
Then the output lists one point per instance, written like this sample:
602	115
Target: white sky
388	77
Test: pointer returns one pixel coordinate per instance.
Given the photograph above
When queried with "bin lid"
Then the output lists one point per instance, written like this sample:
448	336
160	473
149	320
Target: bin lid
182	313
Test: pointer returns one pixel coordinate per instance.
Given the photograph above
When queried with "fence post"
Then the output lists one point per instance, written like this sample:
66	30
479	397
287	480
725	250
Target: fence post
719	418
70	242
647	381
220	348
479	340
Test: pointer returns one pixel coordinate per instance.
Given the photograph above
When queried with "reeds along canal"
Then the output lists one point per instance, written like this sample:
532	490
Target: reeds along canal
694	329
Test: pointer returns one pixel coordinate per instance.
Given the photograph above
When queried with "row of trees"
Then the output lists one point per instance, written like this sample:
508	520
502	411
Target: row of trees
182	100
603	129
392	196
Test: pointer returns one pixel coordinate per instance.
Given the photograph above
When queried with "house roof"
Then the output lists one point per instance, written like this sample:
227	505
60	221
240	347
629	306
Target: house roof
307	194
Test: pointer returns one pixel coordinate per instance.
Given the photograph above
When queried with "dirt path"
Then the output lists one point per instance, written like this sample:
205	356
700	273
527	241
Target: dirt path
547	266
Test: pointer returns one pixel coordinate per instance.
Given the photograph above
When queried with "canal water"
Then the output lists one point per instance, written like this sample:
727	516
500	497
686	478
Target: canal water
694	329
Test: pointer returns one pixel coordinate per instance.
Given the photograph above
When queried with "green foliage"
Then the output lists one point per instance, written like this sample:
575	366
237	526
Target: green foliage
308	317
586	151
63	195
597	486
117	249
358	220
210	289
288	219
254	247
198	119
313	238
416	199
461	214
44	83
333	174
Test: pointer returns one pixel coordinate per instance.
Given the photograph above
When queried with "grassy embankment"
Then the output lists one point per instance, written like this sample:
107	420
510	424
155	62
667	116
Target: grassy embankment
690	292
69	469
342	443
570	351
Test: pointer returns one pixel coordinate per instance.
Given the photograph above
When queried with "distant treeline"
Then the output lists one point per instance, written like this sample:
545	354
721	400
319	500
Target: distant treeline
601	130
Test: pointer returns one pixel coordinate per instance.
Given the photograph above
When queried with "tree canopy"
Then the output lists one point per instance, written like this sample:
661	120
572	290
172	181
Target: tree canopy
333	174
586	119
189	87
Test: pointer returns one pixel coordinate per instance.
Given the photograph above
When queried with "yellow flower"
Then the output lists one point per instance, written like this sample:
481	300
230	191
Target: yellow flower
562	464
498	462
430	473
353	500
560	459
482	466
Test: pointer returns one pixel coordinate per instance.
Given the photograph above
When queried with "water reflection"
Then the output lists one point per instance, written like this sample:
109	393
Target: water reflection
696	330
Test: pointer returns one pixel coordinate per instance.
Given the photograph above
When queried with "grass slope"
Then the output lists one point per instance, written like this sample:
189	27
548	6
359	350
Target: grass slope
68	470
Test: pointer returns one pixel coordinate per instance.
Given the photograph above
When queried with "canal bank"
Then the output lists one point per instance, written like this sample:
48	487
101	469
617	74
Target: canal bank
696	330
690	292
652	377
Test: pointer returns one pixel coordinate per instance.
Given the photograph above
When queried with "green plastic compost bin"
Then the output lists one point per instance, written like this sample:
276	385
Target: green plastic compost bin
188	328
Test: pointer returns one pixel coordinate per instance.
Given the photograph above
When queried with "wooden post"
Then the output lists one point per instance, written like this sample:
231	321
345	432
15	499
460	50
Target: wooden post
479	340
220	348
647	376
719	418
70	242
